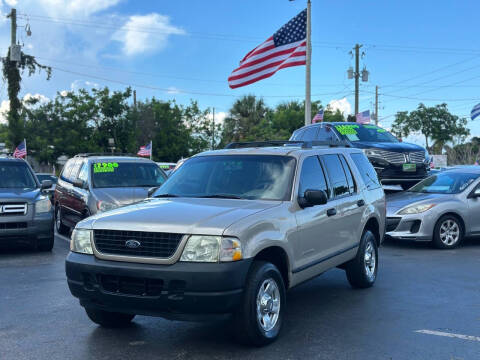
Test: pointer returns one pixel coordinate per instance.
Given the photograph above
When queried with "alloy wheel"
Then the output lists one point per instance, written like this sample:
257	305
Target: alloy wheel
449	232
370	260
268	304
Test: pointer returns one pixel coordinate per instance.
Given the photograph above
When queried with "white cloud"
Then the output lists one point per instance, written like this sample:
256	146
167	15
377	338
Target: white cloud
4	107
219	117
82	84
64	93
341	104
82	8
11	2
42	99
173	90
146	33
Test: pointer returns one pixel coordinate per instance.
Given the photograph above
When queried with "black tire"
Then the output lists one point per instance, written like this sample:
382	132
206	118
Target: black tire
439	232
59	226
46	244
109	319
357	274
248	327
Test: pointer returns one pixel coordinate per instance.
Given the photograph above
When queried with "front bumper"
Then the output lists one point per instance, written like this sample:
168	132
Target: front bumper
416	227
26	229
389	173
182	291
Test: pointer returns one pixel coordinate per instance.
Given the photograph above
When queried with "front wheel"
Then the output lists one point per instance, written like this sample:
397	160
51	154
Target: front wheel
448	232
259	320
362	271
59	226
109	319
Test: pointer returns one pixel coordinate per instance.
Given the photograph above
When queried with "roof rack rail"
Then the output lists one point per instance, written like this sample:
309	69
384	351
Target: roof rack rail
272	143
105	154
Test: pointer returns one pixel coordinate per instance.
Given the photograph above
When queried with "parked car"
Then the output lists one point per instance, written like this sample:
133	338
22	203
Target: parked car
167	167
396	162
228	233
443	209
92	183
26	214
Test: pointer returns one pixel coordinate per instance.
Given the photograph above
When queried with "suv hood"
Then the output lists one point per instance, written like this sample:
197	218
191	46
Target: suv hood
18	195
398	201
178	215
121	196
388	146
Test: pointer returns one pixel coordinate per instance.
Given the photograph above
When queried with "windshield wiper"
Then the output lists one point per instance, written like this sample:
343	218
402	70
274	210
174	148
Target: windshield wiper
221	196
165	195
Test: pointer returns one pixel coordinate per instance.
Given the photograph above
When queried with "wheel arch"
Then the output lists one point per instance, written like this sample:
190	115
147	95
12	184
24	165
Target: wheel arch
278	257
458	216
373	225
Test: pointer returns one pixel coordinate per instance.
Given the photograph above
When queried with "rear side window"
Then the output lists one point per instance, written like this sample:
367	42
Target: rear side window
312	176
310	134
366	170
75	169
348	173
298	135
336	175
67	169
326	133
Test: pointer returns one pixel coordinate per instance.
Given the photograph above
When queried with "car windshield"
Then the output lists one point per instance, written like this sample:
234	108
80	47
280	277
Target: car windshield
445	183
16	175
265	177
367	133
42	177
126	174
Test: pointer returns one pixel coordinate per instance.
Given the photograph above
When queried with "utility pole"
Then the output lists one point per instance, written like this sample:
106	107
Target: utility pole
376	105
357	75
13	17
213	130
308	106
135	99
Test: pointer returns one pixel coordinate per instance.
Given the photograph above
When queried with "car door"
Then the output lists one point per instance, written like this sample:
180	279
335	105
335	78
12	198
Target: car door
474	212
316	230
79	195
345	201
61	190
69	204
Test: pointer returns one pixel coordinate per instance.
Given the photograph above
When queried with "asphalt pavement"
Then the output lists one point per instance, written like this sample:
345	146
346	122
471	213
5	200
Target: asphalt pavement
425	305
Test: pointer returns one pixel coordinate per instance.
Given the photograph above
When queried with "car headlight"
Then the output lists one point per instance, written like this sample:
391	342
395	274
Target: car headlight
81	241
43	205
105	206
371	152
416	209
200	248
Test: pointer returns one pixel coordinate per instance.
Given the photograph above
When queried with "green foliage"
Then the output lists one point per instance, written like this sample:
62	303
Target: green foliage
436	123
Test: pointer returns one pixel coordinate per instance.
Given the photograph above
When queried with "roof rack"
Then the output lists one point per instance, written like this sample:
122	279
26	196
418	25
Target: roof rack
273	143
104	154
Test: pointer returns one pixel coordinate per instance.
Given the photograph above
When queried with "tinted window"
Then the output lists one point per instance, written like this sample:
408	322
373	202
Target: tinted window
348	173
298	135
366	170
42	177
310	134
67	170
83	174
312	176
239	176
445	183
368	133
16	175
126	174
75	169
325	133
336	175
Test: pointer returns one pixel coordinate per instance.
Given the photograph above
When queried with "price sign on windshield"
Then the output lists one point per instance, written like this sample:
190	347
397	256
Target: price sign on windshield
105	167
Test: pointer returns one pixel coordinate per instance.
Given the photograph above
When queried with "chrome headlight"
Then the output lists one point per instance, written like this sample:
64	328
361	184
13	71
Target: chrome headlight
200	248
81	241
371	152
43	205
416	209
105	206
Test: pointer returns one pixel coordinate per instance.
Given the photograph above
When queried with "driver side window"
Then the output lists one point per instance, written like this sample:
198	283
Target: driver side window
312	176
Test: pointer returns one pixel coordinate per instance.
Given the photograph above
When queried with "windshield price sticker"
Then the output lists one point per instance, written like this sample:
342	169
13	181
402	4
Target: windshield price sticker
347	129
105	167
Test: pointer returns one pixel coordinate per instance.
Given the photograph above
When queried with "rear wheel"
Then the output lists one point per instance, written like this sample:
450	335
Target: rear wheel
59	226
362	271
109	319
448	232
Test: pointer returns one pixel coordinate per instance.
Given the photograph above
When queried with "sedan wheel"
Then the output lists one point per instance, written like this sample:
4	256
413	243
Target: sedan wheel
448	232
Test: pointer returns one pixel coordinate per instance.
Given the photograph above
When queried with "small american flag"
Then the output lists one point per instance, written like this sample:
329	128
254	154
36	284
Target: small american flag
21	150
475	112
318	117
286	48
145	150
363	117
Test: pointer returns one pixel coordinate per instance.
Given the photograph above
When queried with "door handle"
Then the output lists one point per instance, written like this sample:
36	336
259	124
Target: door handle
331	212
360	203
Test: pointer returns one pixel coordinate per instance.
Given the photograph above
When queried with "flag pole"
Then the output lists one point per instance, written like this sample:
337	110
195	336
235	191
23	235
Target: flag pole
308	107
25	142
151	149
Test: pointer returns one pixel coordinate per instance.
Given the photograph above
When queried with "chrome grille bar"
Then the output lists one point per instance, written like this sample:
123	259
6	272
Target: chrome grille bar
392	157
13	209
417	157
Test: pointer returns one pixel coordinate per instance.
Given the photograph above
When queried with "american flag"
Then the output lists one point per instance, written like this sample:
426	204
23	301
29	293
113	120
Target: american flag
475	112
318	117
363	117
286	48
21	150
145	150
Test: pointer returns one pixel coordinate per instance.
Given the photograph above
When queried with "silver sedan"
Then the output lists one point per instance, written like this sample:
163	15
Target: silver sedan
443	208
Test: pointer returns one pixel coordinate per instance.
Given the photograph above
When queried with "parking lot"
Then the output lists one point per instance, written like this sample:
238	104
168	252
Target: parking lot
425	305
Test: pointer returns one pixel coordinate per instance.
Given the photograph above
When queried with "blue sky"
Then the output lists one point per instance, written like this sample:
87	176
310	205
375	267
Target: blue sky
416	51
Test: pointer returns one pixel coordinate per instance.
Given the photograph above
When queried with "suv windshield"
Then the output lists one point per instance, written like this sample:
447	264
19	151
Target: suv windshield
126	174
367	133
265	177
445	183
16	175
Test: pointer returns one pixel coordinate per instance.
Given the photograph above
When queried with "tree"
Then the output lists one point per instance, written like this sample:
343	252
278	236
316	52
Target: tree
437	125
11	74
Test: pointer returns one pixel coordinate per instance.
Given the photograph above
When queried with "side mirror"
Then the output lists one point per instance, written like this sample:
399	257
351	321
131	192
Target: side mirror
312	198
475	193
79	183
152	190
46	184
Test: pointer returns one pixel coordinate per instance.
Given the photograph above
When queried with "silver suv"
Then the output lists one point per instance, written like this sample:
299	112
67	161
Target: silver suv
228	233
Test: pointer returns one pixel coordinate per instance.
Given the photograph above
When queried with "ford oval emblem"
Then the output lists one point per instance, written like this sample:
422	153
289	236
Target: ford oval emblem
132	244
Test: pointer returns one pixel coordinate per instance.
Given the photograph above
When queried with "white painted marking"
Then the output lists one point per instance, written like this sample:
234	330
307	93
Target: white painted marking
452	335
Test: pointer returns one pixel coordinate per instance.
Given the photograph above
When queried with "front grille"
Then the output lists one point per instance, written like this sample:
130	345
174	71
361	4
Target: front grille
131	285
13	209
152	244
392	223
391	157
13	225
417	157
